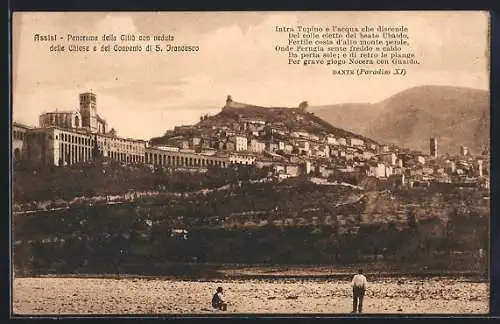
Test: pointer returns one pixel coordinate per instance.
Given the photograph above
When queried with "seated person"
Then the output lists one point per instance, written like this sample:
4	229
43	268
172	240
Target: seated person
218	301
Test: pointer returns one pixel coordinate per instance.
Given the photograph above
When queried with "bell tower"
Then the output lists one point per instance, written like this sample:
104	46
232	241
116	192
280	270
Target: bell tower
88	110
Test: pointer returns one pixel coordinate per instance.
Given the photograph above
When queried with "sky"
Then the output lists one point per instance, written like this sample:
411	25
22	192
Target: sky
143	94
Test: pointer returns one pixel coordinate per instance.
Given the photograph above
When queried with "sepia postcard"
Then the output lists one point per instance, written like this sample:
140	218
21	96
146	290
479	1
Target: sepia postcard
224	163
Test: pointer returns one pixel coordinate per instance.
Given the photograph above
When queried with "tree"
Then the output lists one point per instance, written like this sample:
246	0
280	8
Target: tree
412	221
304	105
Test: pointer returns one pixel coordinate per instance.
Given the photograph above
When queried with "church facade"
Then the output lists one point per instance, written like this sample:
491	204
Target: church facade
76	136
71	137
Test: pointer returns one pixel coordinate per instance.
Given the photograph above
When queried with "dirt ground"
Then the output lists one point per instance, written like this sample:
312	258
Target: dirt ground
156	296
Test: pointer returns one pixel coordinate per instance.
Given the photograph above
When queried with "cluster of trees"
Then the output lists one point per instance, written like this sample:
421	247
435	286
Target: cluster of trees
270	244
111	179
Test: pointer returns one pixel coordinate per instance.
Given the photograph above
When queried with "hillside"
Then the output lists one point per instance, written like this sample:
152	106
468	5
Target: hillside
285	118
292	223
457	116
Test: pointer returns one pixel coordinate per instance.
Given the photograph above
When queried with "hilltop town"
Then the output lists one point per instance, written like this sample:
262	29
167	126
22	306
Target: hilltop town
286	141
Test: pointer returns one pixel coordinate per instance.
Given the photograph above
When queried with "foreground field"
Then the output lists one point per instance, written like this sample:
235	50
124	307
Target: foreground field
156	296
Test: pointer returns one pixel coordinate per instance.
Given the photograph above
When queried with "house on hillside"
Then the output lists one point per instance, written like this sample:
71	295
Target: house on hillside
253	121
324	171
389	158
398	170
293	170
379	170
313	137
331	140
256	146
240	142
303	147
384	148
272	147
278	168
319	153
355	142
278	130
427	171
195	141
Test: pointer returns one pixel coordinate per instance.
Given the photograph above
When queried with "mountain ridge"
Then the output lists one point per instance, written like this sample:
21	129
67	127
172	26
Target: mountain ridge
456	115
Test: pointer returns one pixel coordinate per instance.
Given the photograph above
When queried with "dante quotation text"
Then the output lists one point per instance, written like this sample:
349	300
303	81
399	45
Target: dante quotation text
349	50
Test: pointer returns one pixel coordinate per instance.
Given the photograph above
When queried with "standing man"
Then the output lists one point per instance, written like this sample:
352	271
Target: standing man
358	291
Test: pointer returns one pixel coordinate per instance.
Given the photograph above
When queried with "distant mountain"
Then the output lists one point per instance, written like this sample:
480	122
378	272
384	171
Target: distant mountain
457	116
353	117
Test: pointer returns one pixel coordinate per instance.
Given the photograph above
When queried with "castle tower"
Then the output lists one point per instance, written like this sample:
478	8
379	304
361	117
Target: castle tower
88	110
229	102
433	147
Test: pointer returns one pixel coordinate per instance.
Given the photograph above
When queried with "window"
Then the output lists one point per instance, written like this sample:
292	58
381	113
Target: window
77	121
